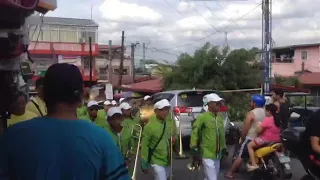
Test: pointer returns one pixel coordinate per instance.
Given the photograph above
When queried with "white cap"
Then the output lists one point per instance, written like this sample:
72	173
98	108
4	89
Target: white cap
114	110
125	106
113	102
161	104
121	99
92	103
107	103
146	97
213	97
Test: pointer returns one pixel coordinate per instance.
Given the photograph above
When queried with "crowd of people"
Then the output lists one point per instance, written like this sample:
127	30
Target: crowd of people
57	136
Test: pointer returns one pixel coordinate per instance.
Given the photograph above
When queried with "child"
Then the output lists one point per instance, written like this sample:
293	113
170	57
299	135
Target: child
269	131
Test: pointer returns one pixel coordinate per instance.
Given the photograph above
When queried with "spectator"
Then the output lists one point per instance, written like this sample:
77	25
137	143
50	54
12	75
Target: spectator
59	145
19	112
36	104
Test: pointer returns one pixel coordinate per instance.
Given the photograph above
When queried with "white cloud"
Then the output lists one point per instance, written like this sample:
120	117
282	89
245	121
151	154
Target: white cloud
160	26
115	10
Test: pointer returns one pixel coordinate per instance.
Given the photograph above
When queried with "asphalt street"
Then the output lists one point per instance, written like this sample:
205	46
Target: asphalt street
181	172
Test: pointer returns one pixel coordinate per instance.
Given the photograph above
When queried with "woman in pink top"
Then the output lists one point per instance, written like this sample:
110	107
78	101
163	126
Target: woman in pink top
269	131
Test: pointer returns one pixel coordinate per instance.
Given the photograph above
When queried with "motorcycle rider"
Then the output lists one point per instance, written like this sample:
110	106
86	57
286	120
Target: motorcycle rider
280	100
249	131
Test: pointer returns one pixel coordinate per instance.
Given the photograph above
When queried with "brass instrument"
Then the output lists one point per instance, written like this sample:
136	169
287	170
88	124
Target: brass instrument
145	113
181	154
171	153
136	133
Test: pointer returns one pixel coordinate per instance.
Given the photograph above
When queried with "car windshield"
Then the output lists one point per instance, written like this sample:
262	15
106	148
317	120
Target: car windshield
192	98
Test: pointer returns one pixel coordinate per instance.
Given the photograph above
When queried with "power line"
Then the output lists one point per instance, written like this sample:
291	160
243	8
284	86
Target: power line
185	16
221	20
222	29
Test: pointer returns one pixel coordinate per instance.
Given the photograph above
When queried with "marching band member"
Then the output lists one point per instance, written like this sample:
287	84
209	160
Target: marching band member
147	101
155	147
119	133
127	114
121	100
92	114
114	103
208	137
103	112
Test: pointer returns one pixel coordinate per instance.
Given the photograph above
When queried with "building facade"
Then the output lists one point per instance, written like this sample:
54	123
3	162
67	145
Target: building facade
63	40
295	59
105	66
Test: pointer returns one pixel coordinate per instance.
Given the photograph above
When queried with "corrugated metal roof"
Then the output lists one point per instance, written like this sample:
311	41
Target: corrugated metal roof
296	46
35	20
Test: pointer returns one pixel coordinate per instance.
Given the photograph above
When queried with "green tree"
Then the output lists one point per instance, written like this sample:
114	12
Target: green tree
211	67
161	70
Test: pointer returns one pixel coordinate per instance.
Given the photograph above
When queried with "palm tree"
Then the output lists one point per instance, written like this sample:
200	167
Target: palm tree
161	70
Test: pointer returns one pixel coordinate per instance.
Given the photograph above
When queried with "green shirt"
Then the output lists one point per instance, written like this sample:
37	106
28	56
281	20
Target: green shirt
102	114
130	122
208	132
150	136
122	139
99	121
81	111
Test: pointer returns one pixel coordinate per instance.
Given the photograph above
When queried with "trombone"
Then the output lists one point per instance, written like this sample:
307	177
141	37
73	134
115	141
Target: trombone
181	154
171	153
136	133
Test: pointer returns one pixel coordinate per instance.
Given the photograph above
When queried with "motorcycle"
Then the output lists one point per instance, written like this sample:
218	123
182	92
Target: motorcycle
294	142
272	162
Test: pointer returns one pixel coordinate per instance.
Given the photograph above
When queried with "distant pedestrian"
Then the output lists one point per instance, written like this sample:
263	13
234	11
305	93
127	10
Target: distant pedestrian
59	146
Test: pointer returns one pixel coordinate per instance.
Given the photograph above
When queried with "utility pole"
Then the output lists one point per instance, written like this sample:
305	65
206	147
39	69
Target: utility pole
225	44
267	43
90	60
144	56
133	46
121	60
110	63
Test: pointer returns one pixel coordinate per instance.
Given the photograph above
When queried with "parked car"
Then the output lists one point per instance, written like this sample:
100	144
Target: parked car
299	115
186	105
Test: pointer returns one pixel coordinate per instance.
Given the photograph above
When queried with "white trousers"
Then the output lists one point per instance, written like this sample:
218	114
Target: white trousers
211	168
161	172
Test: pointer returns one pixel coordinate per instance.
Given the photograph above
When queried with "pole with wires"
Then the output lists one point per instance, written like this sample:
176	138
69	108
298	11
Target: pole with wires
267	44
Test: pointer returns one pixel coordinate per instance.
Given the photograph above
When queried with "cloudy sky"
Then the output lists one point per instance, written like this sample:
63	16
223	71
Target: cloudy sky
170	27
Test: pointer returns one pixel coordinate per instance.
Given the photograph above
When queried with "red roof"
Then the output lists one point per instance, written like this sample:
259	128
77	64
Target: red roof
151	86
310	78
289	88
126	79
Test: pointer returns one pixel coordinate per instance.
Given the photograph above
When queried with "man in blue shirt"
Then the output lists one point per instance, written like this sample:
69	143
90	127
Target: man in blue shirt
59	146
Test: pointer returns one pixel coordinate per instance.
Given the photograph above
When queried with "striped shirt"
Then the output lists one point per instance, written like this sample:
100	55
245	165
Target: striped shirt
51	149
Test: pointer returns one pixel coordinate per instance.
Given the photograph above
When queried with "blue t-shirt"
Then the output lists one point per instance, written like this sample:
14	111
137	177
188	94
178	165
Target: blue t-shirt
53	149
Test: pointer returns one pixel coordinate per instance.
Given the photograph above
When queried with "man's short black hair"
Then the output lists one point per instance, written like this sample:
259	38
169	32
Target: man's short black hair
20	93
39	82
62	84
278	92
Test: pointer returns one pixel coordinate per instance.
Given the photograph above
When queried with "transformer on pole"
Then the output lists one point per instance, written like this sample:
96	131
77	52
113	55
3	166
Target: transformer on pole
267	43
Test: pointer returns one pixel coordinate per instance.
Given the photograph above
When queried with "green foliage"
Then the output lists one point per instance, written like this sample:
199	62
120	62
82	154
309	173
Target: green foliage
211	67
286	81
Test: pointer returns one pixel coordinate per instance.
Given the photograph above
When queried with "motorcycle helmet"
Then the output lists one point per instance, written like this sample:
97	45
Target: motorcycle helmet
259	100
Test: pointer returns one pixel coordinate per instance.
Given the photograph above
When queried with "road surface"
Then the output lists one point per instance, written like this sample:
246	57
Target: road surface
181	172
